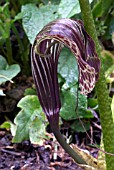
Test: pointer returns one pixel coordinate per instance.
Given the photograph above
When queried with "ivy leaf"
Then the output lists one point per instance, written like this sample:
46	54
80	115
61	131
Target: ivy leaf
3	63
77	126
35	18
30	121
37	130
7	72
69	105
68	68
69	8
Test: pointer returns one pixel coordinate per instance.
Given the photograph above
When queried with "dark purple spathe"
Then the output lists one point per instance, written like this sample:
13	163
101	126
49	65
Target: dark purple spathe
44	58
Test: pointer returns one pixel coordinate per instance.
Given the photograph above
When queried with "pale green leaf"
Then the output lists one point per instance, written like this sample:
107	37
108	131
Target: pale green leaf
37	130
34	19
30	121
3	63
69	8
68	68
7	72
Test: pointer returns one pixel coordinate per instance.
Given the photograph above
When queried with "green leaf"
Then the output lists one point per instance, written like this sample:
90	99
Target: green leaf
30	121
37	130
30	91
5	125
92	103
3	63
106	5
18	16
68	68
97	10
110	28
35	18
68	8
109	22
101	8
69	105
7	72
5	21
107	59
77	126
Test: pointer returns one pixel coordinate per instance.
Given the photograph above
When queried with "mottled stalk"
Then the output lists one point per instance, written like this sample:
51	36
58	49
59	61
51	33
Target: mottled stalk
104	101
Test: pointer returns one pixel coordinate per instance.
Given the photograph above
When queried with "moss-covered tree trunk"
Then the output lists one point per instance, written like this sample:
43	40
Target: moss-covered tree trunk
101	88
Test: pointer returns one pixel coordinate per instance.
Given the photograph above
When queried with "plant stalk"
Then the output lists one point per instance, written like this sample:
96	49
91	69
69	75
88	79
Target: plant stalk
22	51
104	101
66	147
9	51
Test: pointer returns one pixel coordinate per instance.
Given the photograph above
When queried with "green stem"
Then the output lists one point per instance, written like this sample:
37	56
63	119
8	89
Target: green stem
9	51
18	38
16	5
3	51
101	88
22	51
66	147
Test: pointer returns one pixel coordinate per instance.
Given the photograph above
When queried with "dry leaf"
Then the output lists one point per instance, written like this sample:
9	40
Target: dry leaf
92	163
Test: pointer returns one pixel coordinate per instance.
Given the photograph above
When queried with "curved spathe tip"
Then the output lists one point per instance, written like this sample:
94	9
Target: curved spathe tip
44	58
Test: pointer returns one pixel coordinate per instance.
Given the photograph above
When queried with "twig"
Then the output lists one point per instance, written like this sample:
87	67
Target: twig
11	152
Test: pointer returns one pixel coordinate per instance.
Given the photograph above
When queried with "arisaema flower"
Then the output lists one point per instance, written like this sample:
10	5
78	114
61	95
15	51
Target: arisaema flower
44	59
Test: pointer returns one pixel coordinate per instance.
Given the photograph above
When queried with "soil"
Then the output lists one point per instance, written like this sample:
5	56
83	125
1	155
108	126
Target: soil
25	156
